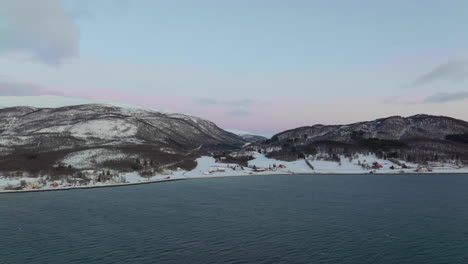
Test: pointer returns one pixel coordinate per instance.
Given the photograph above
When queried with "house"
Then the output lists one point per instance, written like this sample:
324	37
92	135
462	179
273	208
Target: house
281	166
19	174
104	178
221	170
167	172
36	186
89	174
423	169
237	168
56	184
435	164
75	181
376	165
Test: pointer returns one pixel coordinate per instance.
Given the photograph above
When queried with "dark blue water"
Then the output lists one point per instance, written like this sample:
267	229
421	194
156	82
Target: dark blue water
264	219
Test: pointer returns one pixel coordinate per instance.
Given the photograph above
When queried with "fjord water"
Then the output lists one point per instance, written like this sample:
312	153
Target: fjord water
262	219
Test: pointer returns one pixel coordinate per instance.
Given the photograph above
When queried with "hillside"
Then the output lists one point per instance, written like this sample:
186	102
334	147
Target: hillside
416	138
247	136
36	138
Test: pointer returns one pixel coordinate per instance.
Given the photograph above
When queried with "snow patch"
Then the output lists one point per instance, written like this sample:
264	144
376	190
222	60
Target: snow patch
89	159
96	128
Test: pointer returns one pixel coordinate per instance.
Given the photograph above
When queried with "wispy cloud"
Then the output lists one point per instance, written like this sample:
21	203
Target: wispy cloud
235	103
42	28
23	89
240	112
454	71
206	101
445	97
89	9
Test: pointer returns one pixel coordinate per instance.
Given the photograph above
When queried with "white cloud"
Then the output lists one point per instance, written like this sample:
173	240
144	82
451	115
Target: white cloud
453	71
446	97
236	103
41	28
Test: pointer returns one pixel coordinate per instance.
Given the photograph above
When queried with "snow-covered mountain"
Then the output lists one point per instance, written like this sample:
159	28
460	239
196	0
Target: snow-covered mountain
419	137
393	128
83	125
25	130
247	136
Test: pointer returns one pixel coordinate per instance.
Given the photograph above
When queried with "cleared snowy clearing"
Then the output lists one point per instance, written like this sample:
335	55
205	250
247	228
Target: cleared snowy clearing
96	128
89	159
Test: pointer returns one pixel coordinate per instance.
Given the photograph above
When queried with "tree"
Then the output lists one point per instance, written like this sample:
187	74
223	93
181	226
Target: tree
23	183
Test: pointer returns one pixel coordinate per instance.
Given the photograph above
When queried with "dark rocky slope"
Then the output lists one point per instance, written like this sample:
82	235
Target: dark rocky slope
417	138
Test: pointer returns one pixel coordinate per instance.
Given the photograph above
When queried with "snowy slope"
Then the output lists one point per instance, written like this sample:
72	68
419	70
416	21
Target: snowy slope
247	136
98	125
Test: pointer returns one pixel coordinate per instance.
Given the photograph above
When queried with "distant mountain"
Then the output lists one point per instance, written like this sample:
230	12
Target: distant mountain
247	136
418	138
95	136
37	132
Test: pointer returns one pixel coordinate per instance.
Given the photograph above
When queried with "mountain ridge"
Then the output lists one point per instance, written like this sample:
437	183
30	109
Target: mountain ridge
92	136
133	133
403	137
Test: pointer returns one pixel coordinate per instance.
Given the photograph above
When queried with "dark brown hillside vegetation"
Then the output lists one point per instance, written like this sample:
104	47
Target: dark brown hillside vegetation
50	163
462	138
418	138
31	162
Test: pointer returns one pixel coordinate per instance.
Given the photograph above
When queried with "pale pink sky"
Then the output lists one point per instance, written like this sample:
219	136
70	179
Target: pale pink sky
245	65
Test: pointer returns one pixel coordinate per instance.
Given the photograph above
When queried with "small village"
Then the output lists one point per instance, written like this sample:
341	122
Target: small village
210	167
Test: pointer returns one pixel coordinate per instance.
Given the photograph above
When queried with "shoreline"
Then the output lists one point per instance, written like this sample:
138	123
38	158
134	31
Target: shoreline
209	177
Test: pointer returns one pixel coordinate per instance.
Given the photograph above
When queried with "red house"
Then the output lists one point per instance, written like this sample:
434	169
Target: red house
377	165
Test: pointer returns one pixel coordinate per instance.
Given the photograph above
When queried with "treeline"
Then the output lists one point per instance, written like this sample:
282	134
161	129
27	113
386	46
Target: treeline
417	150
462	138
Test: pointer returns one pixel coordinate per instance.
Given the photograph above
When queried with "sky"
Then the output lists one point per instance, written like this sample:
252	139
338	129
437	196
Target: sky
253	65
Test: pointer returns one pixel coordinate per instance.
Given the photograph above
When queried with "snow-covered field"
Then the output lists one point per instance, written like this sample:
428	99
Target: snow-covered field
96	128
208	167
88	159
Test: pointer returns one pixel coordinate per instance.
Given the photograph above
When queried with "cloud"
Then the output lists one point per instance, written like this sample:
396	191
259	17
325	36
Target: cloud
243	103
235	103
240	112
91	9
23	89
407	99
41	28
445	97
454	71
206	101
